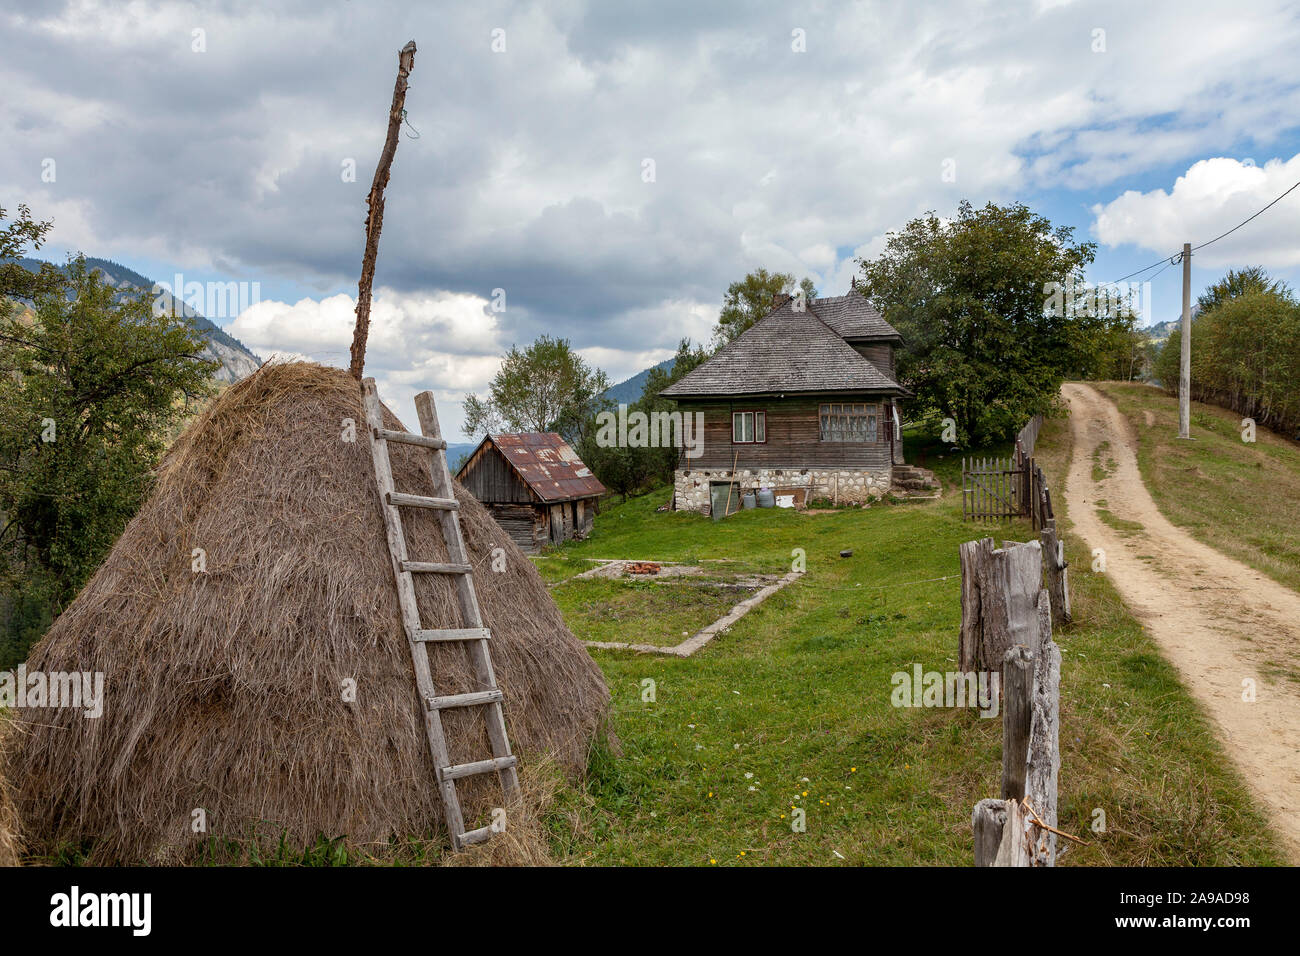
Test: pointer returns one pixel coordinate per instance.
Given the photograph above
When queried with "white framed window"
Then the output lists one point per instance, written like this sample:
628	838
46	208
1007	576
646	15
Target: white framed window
850	421
748	428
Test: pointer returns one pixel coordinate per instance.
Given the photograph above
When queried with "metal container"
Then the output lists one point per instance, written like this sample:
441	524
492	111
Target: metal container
766	499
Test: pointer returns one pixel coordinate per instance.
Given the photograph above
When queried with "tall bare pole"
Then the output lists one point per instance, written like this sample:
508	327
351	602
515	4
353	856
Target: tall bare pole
1185	371
375	217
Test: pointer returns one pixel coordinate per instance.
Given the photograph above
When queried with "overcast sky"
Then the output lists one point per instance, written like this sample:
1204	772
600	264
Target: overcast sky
612	167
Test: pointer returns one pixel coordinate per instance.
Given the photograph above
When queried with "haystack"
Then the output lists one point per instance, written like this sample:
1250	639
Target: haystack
228	690
9	844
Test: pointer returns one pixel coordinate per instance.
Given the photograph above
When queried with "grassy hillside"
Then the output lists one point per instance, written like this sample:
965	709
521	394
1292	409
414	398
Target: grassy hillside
791	707
1241	498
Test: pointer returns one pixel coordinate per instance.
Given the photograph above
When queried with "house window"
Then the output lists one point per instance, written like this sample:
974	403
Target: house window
849	422
748	427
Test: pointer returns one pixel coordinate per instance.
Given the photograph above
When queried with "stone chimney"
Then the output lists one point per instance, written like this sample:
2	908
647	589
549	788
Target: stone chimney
780	299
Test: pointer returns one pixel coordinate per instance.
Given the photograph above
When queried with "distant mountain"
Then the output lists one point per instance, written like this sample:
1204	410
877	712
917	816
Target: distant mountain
237	361
625	393
1160	331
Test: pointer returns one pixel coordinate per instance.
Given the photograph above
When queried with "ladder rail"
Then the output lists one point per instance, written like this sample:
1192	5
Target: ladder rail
472	632
410	611
480	655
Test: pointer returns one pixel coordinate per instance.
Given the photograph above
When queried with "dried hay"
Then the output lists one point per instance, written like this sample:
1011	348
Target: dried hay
225	690
10	847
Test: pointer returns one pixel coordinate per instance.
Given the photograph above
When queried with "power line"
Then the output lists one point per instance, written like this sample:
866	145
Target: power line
1244	221
1176	257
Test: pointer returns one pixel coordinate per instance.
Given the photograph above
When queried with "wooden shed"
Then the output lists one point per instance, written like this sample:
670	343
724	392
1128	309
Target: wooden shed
535	486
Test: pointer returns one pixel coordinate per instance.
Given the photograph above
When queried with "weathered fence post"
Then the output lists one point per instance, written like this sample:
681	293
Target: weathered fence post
1017	716
988	821
974	556
1044	764
1007	831
1056	573
999	589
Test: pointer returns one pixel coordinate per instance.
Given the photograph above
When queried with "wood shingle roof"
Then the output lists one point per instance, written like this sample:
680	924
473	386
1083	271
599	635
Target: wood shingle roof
794	351
852	317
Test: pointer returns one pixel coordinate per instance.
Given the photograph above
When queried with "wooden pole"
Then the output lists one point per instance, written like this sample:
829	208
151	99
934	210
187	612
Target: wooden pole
1044	763
1185	368
1055	572
375	215
988	821
731	483
1017	715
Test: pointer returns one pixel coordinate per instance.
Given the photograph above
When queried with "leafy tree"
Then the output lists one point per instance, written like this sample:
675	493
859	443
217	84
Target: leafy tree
623	469
90	384
545	387
16	281
1120	350
1245	350
1238	282
751	298
970	297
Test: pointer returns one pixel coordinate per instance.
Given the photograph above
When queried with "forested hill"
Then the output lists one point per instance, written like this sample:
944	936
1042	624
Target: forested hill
237	361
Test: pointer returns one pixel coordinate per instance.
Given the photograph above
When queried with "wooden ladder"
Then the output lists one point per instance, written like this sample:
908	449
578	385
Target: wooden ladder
472	632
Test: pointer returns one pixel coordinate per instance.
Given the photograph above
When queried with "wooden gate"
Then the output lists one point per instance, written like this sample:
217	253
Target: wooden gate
993	488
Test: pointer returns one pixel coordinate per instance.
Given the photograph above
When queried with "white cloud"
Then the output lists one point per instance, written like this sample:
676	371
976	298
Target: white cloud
446	342
1211	197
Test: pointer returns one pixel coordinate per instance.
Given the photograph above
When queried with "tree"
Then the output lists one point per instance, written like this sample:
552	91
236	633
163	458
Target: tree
1245	350
16	281
624	469
1120	350
751	298
545	387
1239	282
89	389
970	297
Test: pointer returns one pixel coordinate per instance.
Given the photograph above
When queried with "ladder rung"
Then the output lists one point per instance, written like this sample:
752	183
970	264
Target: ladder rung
434	567
481	835
422	501
478	766
465	700
407	438
454	634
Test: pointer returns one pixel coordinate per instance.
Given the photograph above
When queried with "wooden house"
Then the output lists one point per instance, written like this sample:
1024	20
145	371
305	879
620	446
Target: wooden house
535	486
804	403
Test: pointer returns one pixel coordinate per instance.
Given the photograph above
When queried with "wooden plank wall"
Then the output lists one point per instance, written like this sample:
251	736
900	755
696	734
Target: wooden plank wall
793	437
490	479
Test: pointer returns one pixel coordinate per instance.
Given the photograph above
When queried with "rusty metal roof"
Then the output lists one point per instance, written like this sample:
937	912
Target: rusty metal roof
547	465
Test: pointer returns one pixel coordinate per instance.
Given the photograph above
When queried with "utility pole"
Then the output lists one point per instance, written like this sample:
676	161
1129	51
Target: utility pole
1185	373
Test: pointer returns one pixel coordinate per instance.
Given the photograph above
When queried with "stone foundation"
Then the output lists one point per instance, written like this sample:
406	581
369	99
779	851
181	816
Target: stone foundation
845	487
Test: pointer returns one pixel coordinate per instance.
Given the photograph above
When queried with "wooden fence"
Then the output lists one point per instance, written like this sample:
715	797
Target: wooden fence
1004	488
1007	628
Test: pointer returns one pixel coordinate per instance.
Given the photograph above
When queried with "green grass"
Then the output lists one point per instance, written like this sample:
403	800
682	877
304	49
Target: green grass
653	612
1238	497
791	708
555	567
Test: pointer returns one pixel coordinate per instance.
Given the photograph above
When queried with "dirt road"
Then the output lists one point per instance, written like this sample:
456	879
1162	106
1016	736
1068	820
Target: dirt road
1214	618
